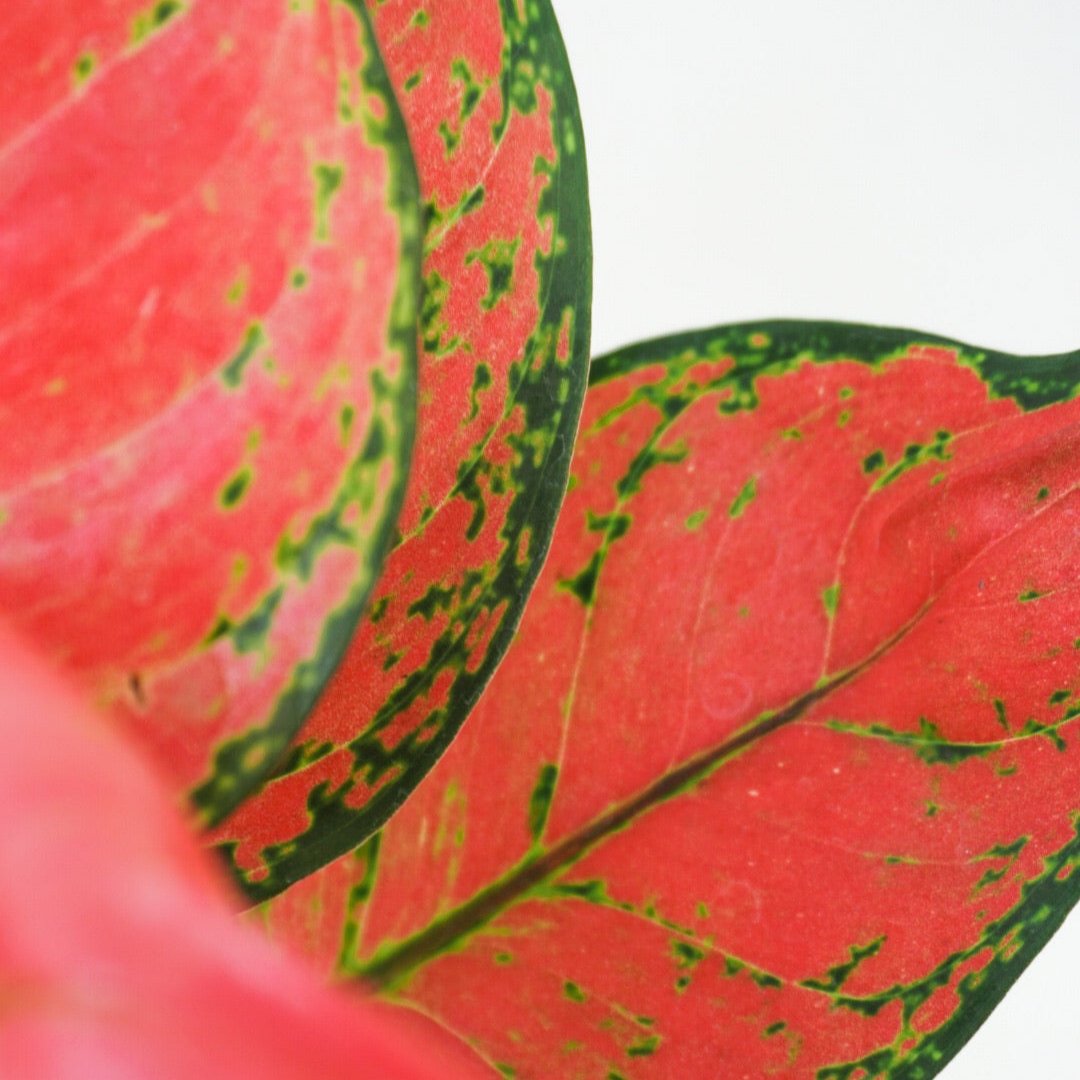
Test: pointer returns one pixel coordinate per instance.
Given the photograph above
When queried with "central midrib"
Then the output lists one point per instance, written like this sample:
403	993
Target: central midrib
393	964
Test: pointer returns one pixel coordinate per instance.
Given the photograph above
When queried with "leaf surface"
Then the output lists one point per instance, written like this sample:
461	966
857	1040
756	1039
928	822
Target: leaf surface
209	259
120	955
491	112
780	776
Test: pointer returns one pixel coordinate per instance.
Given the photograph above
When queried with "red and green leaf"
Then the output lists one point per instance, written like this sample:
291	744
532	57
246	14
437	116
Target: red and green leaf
209	262
120	955
490	108
780	776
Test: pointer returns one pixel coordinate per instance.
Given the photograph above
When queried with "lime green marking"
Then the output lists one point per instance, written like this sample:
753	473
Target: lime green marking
1030	594
687	957
450	138
988	878
84	68
413	81
250	635
900	860
233	372
153	19
744	498
328	181
569	137
236	487
473	200
497	259
792	434
928	743
830	597
844	418
238	289
696	519
614	526
1043	493
845	392
434	327
644	462
643	1047
471	92
503	958
420	18
298	279
1004	851
836	976
573	992
999	712
1033	727
481	381
540	800
916	454
873	462
583	584
346	418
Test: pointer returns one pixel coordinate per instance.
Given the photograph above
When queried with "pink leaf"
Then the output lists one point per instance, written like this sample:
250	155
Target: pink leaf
120	956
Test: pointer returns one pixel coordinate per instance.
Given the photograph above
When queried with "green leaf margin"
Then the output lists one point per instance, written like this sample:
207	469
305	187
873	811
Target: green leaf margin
391	433
566	283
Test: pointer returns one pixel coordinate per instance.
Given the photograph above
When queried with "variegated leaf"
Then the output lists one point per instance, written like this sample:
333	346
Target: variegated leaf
781	776
491	113
120	956
209	248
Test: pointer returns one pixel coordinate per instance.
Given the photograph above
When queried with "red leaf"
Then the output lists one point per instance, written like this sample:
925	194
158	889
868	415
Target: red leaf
208	263
779	776
491	113
119	955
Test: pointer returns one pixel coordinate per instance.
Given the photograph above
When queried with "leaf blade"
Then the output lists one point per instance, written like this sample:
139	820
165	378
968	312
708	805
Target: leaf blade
209	374
820	841
121	953
504	340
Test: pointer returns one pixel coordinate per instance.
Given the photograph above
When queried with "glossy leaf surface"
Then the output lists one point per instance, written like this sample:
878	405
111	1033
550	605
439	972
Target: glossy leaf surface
492	116
119	952
209	259
780	776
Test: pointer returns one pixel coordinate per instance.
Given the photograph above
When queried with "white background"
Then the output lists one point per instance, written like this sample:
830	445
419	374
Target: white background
912	164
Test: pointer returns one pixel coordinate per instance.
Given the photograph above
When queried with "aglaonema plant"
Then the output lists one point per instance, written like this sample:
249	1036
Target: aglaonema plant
786	780
777	775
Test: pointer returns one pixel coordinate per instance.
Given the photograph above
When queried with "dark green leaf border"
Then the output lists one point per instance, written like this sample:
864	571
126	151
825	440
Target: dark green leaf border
240	764
551	394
